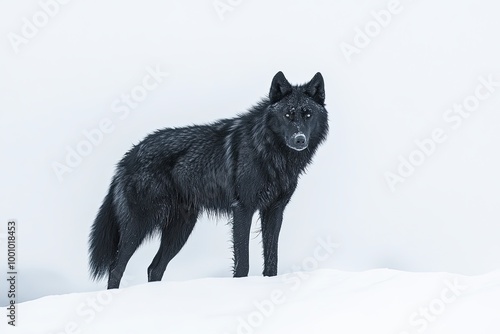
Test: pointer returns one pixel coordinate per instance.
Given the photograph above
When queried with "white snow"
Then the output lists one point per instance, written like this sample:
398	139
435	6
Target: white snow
69	81
323	301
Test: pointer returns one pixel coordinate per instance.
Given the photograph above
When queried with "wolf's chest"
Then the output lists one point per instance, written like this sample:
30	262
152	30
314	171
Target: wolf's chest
273	190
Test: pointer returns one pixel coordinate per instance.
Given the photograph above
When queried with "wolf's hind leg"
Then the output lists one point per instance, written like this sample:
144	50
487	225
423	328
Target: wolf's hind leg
174	236
130	240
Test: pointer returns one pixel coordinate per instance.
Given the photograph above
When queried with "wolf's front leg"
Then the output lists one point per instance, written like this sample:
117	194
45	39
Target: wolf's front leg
242	220
271	220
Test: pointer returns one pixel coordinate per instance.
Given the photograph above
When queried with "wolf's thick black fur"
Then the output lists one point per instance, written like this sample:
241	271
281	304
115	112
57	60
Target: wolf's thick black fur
234	166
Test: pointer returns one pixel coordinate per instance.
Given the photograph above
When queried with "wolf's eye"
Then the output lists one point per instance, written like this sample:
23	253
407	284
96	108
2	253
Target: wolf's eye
287	115
306	113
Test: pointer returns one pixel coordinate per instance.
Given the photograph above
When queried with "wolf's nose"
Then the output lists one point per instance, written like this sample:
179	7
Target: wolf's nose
299	139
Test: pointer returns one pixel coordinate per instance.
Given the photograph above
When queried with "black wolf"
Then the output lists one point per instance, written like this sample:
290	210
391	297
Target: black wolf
232	167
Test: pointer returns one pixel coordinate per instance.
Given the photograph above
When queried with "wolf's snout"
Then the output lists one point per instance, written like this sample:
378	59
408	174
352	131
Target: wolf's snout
299	139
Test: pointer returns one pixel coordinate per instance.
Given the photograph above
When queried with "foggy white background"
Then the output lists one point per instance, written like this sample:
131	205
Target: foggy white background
64	80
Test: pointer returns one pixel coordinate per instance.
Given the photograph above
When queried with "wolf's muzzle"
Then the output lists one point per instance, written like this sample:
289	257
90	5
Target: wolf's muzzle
298	141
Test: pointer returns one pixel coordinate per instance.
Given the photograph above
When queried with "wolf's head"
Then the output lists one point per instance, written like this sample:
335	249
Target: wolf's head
297	113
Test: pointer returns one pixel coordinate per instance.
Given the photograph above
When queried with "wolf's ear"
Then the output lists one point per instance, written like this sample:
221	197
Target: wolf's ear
279	87
316	88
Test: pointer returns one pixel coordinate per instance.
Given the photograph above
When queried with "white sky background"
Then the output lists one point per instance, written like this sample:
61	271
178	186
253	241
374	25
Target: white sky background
444	217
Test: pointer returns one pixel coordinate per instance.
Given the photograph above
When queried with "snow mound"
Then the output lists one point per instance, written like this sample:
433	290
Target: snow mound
324	301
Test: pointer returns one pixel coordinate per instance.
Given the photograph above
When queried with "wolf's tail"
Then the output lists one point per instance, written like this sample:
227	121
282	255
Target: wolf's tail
104	237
